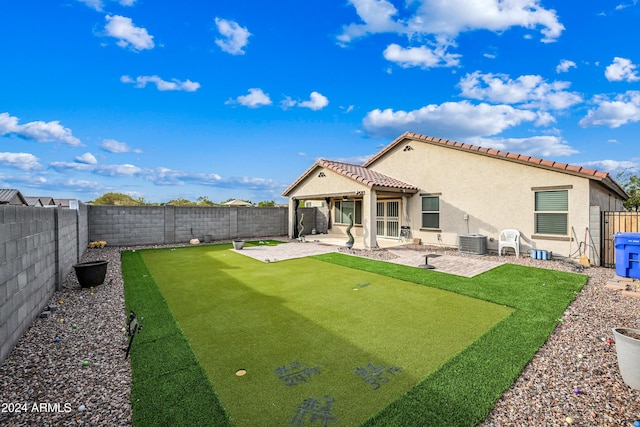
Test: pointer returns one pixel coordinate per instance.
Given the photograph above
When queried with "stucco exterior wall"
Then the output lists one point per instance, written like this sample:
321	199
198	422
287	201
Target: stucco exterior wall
316	185
493	194
605	199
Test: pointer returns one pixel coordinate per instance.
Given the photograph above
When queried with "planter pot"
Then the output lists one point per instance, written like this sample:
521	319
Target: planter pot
238	244
91	273
628	349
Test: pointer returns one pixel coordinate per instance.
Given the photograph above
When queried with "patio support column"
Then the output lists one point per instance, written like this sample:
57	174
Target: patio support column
369	201
292	217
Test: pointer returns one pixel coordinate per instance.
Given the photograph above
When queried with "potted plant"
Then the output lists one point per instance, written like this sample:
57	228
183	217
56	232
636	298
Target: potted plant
628	350
238	244
91	273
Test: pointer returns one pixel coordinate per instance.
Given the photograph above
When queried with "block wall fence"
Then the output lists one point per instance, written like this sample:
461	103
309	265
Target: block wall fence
39	246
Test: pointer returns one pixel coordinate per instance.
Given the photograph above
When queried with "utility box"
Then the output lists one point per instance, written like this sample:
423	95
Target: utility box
472	244
627	254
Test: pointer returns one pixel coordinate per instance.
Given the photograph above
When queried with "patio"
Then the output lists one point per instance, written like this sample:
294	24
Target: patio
395	251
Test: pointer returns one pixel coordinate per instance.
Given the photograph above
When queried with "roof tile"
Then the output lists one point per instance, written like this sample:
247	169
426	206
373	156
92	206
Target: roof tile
366	176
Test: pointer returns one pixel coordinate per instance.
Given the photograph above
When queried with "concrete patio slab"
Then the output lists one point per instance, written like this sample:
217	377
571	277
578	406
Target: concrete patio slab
458	265
285	251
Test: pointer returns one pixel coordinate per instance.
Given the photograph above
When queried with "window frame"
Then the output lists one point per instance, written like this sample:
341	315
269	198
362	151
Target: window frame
356	210
435	212
540	211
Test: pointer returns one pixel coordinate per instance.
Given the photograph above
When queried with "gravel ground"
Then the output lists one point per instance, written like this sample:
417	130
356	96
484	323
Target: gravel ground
51	375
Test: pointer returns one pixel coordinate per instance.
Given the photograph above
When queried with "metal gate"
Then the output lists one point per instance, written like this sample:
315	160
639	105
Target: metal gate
612	223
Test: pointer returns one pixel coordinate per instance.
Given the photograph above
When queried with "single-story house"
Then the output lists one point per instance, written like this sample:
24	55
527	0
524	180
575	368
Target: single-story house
46	201
236	202
437	190
34	201
10	196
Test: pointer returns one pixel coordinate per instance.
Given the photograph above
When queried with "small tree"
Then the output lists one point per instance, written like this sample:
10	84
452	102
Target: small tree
180	201
631	184
266	203
119	199
204	201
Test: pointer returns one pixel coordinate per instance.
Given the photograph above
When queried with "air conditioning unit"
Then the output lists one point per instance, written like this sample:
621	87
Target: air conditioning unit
472	244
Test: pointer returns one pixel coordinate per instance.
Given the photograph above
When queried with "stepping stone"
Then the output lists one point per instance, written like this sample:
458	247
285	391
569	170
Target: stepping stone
631	294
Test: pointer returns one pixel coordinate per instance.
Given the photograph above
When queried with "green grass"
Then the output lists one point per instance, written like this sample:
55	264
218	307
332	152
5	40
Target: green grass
169	386
456	361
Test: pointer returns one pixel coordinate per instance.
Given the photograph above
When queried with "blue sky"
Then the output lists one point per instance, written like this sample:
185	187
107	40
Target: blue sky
166	99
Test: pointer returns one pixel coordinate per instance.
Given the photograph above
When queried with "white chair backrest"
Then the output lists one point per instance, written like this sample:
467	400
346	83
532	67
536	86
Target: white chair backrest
509	235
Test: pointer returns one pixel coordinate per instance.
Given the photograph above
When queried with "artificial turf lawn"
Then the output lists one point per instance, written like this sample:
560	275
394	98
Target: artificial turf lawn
236	317
238	312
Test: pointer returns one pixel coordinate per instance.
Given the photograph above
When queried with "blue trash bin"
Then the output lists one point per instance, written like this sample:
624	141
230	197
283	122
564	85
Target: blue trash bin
627	254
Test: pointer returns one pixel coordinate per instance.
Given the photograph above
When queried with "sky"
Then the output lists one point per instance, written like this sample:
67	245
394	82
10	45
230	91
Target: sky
236	99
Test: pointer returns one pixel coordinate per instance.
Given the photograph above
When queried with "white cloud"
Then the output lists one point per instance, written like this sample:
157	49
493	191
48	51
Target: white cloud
544	146
612	166
99	4
287	103
423	56
256	98
87	158
235	37
168	177
162	85
93	4
22	161
621	69
378	17
528	90
128	35
454	119
623	109
450	18
104	170
316	102
565	65
37	131
113	146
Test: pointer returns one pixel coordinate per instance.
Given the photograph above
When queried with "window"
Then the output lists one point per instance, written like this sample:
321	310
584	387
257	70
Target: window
430	212
345	207
552	212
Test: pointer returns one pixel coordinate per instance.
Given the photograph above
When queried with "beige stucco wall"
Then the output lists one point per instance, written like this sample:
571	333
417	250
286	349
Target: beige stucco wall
331	184
495	194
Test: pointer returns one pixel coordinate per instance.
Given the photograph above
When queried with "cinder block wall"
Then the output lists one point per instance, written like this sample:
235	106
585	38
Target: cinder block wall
68	243
38	247
127	225
151	225
257	222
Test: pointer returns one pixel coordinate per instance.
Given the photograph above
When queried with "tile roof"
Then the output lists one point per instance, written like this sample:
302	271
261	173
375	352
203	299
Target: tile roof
603	177
357	173
365	176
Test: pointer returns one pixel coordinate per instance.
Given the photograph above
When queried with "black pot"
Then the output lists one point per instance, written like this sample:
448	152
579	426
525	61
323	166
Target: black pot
91	273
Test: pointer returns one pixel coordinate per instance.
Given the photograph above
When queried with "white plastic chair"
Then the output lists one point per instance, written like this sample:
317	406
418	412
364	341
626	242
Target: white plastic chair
509	239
